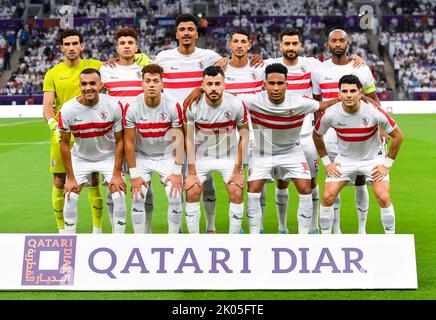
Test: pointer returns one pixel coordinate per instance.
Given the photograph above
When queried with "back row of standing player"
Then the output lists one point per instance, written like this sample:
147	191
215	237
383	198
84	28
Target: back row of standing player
182	71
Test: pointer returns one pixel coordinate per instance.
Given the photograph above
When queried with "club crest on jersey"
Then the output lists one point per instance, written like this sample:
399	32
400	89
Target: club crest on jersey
227	114
201	65
303	69
163	115
254	75
104	115
139	75
365	121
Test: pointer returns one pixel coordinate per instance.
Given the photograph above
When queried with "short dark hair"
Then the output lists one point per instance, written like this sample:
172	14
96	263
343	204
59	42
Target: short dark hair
69	33
213	71
240	31
350	79
276	68
291	32
186	17
153	69
90	71
126	32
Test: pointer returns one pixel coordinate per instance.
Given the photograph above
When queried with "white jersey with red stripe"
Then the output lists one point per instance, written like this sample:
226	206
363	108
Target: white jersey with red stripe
299	83
277	127
122	82
326	78
215	126
357	132
92	127
244	79
183	72
153	125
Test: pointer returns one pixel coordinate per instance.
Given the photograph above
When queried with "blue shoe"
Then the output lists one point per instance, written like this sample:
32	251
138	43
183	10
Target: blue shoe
262	232
180	230
211	231
241	231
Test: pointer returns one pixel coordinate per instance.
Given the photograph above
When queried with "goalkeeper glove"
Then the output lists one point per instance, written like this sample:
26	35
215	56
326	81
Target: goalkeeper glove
142	59
53	125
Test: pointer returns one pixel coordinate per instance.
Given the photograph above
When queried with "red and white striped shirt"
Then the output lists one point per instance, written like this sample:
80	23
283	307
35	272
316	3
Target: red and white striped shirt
300	83
92	127
153	125
277	127
244	79
357	132
215	134
183	72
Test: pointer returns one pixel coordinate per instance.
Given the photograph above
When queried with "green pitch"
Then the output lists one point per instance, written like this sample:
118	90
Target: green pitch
25	207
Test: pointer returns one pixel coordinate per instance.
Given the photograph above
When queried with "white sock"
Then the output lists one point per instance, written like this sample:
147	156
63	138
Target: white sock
149	206
209	203
110	206
315	208
236	213
70	213
262	205
362	205
282	198
119	225
96	230
326	216
192	212
174	210
254	212
137	212
387	218
337	215
304	214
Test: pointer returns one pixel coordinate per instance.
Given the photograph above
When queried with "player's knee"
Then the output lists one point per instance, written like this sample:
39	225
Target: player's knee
193	194
313	183
383	199
236	195
328	198
59	180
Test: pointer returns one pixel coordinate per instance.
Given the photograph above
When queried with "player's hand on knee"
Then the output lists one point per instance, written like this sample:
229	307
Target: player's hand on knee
190	181
237	178
117	184
136	187
71	186
379	172
176	184
333	170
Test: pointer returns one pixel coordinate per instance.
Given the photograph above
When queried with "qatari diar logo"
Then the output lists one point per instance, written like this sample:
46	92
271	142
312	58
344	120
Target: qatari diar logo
49	260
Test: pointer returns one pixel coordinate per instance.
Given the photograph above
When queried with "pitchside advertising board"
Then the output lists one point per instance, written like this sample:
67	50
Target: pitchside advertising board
205	262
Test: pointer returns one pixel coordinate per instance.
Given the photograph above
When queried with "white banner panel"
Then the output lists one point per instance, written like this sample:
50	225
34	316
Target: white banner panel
206	262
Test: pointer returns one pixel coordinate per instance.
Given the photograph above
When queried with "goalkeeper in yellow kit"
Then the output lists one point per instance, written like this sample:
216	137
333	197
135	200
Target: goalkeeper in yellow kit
61	83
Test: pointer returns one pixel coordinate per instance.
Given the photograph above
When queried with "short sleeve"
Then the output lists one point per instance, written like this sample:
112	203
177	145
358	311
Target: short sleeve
309	105
248	98
129	120
213	57
48	82
242	115
322	125
385	121
177	116
314	77
64	121
118	119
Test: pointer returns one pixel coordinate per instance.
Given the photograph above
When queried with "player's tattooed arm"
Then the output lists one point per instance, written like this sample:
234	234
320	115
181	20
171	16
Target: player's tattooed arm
117	183
381	170
71	183
331	167
179	154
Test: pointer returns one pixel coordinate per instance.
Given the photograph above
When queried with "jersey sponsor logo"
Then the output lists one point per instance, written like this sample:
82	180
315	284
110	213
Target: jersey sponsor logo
53	163
201	65
303	69
163	115
365	121
174	68
340	125
77	120
328	78
63	78
229	79
227	114
143	119
113	77
104	115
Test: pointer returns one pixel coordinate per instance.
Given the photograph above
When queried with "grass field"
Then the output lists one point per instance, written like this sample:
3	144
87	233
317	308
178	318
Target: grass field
25	207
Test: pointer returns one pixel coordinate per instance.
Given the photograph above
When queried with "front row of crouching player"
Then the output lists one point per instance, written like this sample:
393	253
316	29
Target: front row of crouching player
159	136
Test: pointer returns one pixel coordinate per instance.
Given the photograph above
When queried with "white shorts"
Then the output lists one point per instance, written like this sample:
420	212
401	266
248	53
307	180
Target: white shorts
284	166
83	168
147	166
206	166
310	153
350	169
